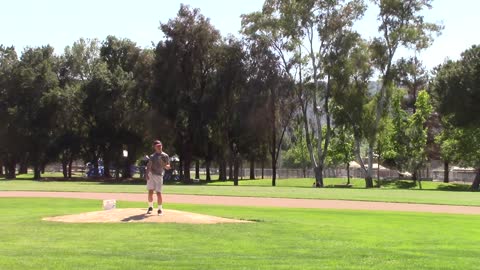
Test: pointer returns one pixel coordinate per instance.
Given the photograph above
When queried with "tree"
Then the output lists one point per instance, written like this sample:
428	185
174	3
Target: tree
417	133
457	93
341	151
448	140
293	28
10	150
76	68
122	58
184	64
271	91
401	25
413	77
37	78
297	154
385	148
354	102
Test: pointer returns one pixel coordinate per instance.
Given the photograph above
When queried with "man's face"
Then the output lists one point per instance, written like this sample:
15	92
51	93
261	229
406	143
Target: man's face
158	147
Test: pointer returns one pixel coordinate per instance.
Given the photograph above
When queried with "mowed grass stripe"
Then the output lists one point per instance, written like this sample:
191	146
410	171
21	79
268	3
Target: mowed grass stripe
428	196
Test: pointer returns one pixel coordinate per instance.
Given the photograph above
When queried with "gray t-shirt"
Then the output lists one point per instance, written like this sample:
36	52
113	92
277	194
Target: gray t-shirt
158	162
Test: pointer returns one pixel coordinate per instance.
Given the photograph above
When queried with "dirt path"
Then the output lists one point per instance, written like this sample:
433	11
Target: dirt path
259	202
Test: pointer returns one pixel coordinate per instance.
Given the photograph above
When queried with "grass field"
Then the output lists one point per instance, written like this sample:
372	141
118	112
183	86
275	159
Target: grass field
283	239
287	188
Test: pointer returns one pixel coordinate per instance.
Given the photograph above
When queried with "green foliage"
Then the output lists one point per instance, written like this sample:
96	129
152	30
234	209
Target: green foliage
400	124
417	131
297	154
410	132
341	150
457	90
449	140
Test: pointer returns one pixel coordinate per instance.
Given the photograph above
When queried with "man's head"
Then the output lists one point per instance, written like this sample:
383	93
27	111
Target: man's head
157	145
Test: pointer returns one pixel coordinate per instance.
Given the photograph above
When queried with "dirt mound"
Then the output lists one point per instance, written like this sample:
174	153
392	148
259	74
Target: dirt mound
138	215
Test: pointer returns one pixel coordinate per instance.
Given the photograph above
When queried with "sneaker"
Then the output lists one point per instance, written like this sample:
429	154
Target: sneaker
160	212
149	211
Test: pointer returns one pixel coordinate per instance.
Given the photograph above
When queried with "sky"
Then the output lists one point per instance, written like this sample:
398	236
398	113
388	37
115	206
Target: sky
59	23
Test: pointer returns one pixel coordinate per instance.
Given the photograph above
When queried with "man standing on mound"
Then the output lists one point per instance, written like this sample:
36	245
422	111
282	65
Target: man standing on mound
159	161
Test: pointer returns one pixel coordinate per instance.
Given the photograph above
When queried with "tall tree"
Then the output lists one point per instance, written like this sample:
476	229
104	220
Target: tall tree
401	25
297	154
413	77
122	58
76	68
417	133
457	93
448	140
37	77
184	63
274	96
10	149
341	152
354	102
303	33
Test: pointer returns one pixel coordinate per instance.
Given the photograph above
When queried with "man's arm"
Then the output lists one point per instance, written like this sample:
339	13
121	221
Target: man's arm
167	163
147	172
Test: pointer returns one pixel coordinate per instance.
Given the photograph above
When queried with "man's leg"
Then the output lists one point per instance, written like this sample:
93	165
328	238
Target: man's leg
159	201
150	201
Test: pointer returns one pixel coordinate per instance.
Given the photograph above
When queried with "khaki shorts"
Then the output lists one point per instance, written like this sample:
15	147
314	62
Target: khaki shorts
155	182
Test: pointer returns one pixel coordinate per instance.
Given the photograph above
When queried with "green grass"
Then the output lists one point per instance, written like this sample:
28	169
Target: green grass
255	188
283	239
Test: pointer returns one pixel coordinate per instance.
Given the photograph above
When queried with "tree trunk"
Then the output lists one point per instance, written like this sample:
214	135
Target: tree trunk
107	171
348	173
95	167
222	170
445	172
230	171
116	175
207	168
36	172
420	183
64	168
252	169
23	167
263	168
187	162
368	178
274	173
304	172
186	170
197	169
10	169
318	176
126	172
378	171
70	162
476	183
1	167
180	168
236	165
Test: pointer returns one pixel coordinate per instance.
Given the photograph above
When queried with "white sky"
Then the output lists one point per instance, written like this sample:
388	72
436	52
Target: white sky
60	23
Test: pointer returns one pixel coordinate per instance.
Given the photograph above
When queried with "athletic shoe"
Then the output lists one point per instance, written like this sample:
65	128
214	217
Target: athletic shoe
149	211
160	212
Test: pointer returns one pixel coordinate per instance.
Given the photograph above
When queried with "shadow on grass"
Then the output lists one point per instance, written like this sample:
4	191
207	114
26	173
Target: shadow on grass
397	184
454	187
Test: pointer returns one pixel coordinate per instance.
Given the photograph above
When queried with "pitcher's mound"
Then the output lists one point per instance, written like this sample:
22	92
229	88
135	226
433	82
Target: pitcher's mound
138	215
